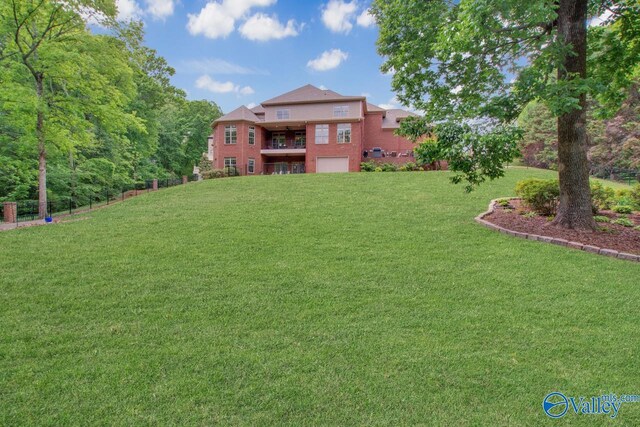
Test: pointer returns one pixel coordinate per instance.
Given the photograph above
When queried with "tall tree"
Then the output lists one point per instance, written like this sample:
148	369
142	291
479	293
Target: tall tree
486	60
37	34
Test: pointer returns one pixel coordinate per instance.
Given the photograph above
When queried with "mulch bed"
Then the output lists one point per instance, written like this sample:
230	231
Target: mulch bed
610	236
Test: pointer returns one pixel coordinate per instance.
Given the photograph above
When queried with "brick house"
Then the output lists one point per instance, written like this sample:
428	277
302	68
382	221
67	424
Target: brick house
308	130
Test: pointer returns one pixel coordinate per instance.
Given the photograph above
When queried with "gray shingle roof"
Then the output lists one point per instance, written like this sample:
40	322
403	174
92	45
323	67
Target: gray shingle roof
239	114
371	108
308	94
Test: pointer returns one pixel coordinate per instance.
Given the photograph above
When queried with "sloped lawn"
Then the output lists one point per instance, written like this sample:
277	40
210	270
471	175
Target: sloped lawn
364	299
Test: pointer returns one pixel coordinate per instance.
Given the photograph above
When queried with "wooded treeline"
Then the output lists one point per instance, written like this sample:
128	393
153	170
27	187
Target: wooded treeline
95	109
614	143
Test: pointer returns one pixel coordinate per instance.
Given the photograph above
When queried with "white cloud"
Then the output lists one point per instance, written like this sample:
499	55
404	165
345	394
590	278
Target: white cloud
456	90
365	19
337	15
323	87
391	105
328	60
160	9
261	27
216	66
599	20
128	10
218	18
207	83
366	94
251	105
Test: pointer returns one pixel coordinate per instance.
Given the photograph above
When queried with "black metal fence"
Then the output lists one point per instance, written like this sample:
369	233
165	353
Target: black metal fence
628	176
28	210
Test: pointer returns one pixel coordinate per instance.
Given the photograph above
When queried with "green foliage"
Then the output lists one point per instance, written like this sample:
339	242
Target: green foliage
539	144
111	116
530	214
635	196
504	202
215	173
601	218
541	195
369	166
626	222
601	197
475	156
622	209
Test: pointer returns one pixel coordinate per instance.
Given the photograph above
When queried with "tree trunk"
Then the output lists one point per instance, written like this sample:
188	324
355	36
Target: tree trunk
574	211
42	151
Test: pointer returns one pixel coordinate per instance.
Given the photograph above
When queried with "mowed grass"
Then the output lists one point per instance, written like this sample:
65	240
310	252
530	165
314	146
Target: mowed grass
348	299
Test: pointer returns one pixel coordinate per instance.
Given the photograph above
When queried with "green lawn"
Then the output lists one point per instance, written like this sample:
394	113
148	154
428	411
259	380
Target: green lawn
355	299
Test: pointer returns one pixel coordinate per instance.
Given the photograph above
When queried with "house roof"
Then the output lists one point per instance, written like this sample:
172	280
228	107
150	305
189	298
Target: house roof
258	109
393	117
371	108
310	94
239	114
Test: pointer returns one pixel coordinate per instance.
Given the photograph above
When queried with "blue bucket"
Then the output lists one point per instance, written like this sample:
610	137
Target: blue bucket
48	219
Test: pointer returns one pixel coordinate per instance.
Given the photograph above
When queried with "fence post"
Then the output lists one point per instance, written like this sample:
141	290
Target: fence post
123	194
107	196
90	201
185	179
70	206
10	212
155	184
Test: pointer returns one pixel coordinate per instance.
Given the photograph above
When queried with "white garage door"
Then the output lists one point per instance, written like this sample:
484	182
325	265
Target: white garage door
332	164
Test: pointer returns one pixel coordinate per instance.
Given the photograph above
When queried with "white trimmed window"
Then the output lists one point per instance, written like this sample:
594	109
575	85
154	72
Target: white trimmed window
341	111
278	140
322	134
229	162
344	133
251	166
282	114
252	135
300	140
230	134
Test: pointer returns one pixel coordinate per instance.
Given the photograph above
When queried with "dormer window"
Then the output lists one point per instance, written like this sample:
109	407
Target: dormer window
282	114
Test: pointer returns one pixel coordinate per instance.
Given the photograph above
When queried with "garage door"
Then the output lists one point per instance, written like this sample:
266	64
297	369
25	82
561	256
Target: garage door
332	164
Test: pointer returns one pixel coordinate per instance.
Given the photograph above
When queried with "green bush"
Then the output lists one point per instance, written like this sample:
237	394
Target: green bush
637	228
624	221
622	209
541	195
601	218
214	173
378	169
601	197
623	197
635	196
389	167
503	202
369	166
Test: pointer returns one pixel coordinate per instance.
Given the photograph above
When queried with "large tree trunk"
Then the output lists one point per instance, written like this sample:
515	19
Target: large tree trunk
574	210
42	151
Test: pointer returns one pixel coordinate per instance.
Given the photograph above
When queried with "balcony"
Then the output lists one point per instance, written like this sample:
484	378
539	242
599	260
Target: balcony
285	148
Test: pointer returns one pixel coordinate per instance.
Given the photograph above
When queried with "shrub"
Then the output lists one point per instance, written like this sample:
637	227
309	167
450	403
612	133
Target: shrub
634	194
215	173
601	218
539	194
624	222
389	167
378	169
623	197
369	166
601	196
637	228
529	214
503	202
622	209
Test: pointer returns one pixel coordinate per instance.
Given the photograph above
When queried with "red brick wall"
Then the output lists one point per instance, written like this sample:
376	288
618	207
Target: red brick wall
375	136
241	150
353	149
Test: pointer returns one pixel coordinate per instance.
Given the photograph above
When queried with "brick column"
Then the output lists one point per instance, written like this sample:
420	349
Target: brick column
10	212
185	179
155	184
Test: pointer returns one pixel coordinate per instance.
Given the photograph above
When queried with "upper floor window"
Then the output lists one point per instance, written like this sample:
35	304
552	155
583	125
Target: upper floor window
252	135
300	140
322	134
341	111
278	140
230	134
344	133
282	114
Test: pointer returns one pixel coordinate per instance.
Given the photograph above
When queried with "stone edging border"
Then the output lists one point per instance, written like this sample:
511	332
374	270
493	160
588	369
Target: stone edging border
561	242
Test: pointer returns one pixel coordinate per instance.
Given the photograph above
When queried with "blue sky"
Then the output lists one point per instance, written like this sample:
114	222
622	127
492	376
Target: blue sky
237	52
